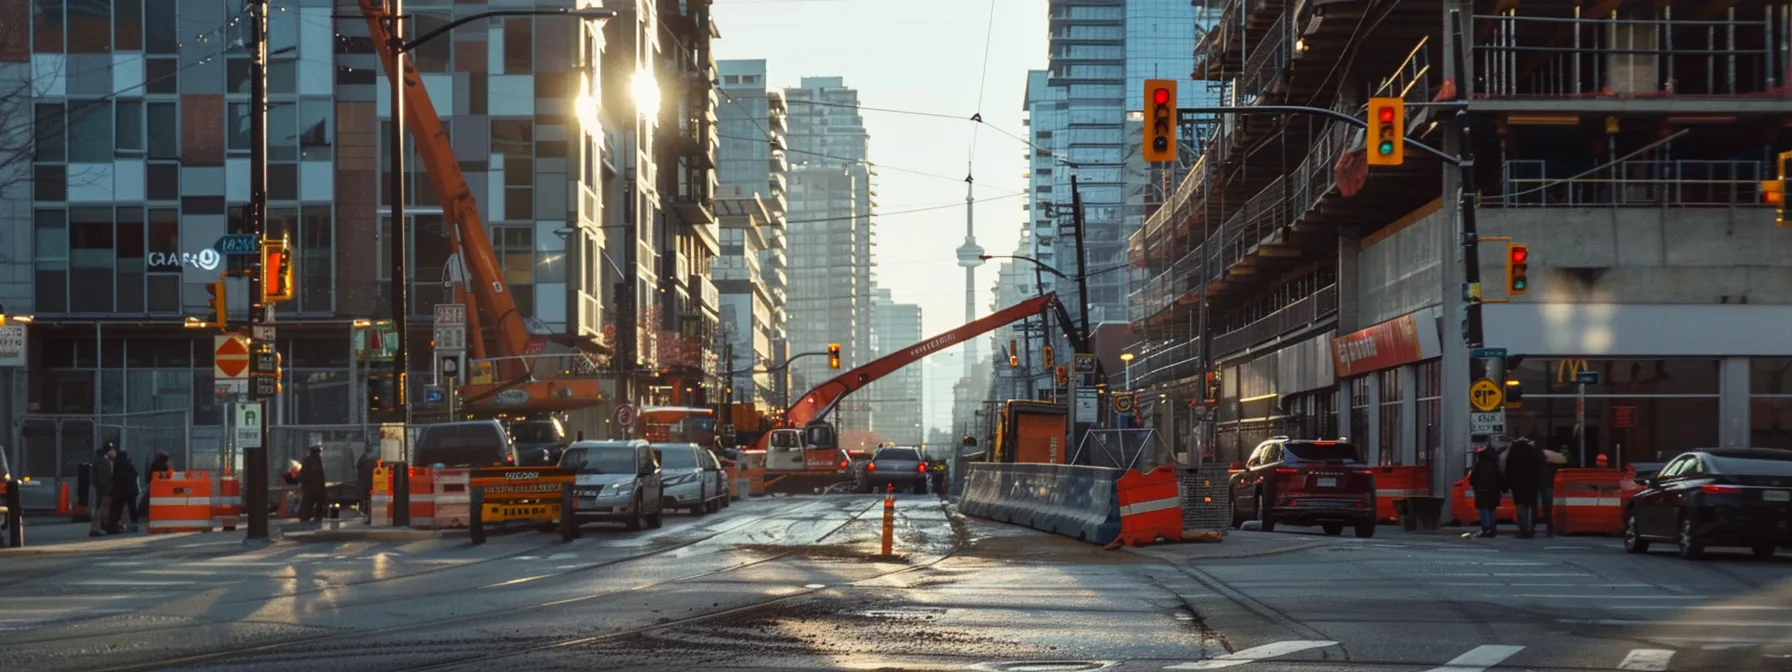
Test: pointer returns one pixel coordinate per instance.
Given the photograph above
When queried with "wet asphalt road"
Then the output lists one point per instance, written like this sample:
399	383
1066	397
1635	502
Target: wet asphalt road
791	583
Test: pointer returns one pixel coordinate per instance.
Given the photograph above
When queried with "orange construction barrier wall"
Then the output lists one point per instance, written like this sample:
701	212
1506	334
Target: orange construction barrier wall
1395	483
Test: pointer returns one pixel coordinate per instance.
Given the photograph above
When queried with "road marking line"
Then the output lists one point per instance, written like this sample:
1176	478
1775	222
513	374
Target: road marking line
1526	574
1706	607
513	582
1511	584
1615	597
1252	655
1480	658
1711	624
108	583
1647	660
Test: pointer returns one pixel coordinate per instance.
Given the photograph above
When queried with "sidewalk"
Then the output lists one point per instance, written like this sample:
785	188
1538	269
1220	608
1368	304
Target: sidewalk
54	535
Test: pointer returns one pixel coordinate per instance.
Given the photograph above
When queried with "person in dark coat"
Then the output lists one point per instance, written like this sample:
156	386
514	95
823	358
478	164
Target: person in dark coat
102	492
1484	477
311	485
1546	488
369	461
124	492
1524	470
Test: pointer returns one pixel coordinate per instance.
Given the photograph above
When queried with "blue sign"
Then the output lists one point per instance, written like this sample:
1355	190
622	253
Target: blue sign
1487	353
238	243
433	395
1587	377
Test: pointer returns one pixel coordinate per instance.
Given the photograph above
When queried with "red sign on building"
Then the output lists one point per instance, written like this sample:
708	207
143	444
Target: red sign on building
1389	344
1623	416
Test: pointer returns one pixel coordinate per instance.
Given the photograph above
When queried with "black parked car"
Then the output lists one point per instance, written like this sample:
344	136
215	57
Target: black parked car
1715	497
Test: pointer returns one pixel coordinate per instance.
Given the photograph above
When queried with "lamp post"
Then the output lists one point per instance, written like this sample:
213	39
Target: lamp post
398	47
1127	357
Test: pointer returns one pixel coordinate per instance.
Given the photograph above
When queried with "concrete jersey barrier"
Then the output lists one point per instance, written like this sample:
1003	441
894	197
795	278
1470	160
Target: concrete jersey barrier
1074	501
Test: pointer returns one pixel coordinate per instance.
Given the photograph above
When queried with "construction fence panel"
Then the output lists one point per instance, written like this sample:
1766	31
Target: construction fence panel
1206	498
54	446
343	447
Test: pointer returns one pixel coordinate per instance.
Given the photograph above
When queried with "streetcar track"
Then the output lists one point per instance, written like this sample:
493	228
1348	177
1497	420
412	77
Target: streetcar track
746	521
957	544
338	635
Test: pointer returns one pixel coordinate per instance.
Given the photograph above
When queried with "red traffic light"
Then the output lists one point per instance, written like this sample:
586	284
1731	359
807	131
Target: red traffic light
1519	255
1160	96
1386	115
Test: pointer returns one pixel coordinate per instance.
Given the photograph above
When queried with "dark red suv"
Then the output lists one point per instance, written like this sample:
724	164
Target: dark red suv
1305	482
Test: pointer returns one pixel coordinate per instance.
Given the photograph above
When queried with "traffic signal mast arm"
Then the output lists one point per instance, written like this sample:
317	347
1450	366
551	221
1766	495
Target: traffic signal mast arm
489	289
1334	114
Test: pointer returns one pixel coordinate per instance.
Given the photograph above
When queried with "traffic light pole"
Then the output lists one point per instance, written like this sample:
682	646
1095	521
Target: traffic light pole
255	460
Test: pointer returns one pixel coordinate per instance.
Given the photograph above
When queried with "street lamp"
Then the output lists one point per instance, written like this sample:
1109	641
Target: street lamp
1127	357
398	48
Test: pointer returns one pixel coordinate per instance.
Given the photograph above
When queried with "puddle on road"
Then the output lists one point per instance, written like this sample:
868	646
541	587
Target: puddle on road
906	613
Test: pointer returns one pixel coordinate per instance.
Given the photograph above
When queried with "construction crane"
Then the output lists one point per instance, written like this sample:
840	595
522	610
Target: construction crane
526	379
803	449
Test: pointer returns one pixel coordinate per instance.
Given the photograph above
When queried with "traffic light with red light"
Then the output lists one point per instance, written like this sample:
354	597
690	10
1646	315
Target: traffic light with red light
1518	259
1160	120
1014	353
276	271
1387	131
219	302
833	355
1048	357
1063	375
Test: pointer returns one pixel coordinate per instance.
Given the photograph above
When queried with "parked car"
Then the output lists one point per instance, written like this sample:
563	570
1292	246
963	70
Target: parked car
693	478
538	441
1715	497
469	443
902	466
1305	482
617	481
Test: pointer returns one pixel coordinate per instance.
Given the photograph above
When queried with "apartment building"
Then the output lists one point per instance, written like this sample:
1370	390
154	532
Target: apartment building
898	399
752	271
1625	149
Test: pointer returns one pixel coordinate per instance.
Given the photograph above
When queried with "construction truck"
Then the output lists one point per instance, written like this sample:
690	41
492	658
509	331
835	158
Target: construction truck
1032	432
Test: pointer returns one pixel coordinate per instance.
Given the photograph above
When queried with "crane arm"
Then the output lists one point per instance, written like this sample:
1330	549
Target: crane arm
458	206
819	402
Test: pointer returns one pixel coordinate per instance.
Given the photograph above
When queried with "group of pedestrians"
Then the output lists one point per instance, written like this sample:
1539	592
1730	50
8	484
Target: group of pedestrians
1528	472
119	489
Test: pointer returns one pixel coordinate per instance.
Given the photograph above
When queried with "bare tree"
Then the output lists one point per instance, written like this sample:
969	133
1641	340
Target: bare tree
19	91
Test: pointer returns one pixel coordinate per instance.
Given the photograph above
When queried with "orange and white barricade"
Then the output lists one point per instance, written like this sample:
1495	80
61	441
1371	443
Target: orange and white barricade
227	502
1396	483
423	498
1590	501
180	501
452	498
1150	506
753	469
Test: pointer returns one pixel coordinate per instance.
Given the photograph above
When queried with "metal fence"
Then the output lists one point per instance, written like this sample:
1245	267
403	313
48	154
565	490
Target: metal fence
343	447
1142	449
1538	183
55	446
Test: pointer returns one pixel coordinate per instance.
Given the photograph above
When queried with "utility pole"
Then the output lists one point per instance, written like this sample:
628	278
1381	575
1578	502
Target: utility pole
1471	244
400	289
1082	268
255	460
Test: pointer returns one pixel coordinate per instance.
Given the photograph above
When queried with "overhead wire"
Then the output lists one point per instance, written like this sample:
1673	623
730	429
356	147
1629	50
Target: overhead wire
887	213
975	119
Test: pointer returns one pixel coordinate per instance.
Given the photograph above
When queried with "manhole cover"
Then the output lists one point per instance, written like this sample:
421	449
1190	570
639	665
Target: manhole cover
1047	666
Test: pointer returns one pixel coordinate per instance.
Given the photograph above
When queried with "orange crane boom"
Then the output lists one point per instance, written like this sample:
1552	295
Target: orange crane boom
468	231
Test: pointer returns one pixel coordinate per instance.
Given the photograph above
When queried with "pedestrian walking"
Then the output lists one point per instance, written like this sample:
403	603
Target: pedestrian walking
124	492
370	460
1484	477
1546	488
102	492
1524	470
311	485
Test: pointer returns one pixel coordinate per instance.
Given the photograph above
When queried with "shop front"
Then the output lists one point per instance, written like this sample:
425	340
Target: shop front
1390	388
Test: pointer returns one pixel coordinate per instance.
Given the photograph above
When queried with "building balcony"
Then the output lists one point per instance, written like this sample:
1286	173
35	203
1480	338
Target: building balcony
1666	184
705	293
1307	313
1552	56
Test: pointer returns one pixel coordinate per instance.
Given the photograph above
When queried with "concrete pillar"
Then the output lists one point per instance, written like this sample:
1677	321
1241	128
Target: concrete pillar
1343	404
1370	441
1409	414
1732	403
1349	281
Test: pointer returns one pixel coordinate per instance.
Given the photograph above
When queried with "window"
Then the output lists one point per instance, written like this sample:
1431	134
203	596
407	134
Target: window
163	181
1430	409
163	245
516	253
1391	440
1359	406
90	133
92	258
1770	405
51	252
162	125
316	259
514	140
130	259
49	183
160	32
314	128
129	117
237	72
236	137
48	31
161	75
519	50
283	134
127	22
52	132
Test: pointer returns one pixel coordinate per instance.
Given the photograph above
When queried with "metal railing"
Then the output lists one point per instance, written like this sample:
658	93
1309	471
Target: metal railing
1268	61
1171	363
1669	184
1519	56
1298	315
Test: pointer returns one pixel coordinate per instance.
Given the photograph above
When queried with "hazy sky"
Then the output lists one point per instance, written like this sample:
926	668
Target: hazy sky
925	56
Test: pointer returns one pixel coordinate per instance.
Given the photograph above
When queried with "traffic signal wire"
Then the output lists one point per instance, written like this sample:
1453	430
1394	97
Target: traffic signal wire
924	208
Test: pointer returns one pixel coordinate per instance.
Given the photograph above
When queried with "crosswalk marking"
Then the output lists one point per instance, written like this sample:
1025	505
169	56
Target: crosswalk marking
1647	660
1252	655
1480	658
